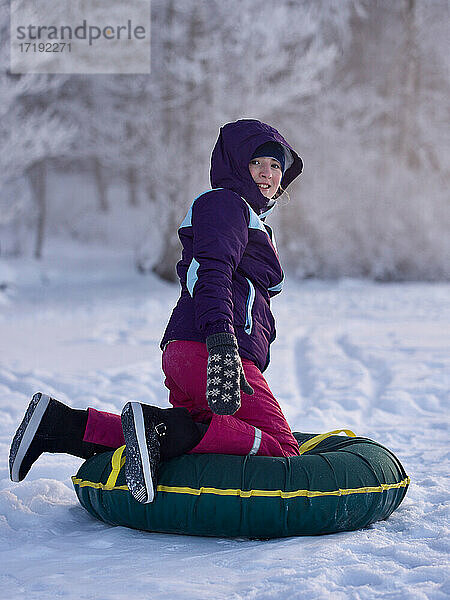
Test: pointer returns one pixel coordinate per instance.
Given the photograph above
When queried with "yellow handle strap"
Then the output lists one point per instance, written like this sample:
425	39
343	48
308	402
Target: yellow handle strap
313	442
117	463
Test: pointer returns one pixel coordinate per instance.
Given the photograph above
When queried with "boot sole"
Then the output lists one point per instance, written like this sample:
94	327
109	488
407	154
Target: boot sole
26	432
137	465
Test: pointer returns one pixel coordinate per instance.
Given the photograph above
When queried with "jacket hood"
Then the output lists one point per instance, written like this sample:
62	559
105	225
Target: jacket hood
233	151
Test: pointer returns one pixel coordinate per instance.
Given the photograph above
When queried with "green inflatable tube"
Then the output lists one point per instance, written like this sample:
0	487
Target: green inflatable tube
338	483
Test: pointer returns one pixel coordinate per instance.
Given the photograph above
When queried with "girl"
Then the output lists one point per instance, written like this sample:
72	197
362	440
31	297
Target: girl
216	344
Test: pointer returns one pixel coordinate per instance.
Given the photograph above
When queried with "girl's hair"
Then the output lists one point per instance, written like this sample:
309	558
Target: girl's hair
279	193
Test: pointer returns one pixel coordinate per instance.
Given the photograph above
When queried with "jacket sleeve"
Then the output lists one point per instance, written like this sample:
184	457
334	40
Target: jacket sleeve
220	236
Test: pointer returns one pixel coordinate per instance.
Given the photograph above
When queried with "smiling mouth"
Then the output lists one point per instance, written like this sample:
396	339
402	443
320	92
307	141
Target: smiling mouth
263	186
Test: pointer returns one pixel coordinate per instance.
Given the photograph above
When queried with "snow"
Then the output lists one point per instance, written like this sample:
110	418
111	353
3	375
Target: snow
366	356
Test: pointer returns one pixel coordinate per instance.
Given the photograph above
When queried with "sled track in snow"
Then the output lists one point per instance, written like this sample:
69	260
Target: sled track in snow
378	373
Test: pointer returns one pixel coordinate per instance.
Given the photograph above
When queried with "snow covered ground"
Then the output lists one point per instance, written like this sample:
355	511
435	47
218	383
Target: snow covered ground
371	357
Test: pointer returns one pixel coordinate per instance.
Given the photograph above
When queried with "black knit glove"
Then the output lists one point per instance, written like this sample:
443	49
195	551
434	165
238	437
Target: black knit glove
225	376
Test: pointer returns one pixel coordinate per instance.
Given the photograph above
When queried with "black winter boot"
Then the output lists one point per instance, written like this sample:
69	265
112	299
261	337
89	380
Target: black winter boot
48	426
153	434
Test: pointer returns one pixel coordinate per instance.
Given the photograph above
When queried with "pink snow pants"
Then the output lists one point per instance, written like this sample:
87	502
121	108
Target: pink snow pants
258	427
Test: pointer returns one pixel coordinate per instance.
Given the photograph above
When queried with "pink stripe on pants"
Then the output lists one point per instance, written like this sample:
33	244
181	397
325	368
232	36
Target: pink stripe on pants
258	427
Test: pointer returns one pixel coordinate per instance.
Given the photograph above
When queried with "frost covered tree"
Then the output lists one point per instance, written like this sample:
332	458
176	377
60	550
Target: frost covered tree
32	130
109	111
32	134
374	200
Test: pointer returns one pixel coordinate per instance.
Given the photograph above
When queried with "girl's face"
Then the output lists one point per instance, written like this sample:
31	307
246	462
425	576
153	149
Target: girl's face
267	174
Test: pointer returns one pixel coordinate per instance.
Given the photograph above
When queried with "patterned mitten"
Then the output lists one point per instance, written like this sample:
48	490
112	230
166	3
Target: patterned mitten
225	376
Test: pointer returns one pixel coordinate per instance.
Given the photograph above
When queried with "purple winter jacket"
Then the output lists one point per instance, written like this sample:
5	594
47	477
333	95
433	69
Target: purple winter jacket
229	268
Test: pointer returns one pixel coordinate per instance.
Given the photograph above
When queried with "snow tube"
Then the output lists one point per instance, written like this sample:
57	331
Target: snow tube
338	483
